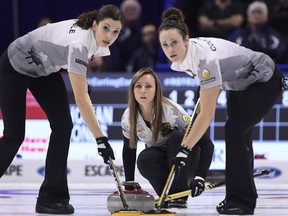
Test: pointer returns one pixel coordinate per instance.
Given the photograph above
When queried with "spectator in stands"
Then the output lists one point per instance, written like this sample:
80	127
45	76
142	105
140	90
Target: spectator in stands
43	21
258	35
146	55
278	15
278	19
130	38
218	18
96	64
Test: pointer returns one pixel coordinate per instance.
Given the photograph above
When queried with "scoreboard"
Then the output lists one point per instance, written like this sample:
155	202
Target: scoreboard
110	98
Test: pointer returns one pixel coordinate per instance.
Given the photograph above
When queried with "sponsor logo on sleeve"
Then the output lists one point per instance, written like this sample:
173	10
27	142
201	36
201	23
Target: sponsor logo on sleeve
207	77
79	61
186	118
205	74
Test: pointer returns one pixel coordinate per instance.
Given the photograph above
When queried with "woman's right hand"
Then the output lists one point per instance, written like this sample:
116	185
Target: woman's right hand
104	149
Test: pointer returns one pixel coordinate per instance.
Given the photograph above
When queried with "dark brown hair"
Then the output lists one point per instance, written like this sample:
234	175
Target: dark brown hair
85	20
174	18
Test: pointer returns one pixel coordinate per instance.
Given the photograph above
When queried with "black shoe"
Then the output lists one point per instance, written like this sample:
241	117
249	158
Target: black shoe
232	208
177	203
54	208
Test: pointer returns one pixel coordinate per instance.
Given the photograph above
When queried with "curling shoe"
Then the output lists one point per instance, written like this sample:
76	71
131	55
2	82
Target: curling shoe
54	208
177	203
232	208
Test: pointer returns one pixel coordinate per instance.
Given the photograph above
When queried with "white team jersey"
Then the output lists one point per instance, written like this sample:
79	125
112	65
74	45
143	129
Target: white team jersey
54	46
174	117
214	61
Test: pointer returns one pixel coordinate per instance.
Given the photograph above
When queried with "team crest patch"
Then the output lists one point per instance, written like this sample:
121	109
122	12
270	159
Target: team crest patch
186	118
166	129
205	74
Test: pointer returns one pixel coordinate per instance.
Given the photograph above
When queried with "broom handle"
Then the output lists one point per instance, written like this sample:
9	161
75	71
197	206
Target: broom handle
118	183
207	187
171	175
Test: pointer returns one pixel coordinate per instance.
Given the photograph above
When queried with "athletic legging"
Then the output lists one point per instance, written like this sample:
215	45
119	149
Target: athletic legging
50	92
245	109
155	163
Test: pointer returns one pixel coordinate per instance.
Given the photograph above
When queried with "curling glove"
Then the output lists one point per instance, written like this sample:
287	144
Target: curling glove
197	186
104	149
181	160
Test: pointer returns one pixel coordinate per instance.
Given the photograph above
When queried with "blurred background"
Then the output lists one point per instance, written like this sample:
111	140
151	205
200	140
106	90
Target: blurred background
19	17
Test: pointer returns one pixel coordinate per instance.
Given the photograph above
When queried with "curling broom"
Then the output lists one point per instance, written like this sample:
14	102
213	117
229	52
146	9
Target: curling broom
126	211
207	187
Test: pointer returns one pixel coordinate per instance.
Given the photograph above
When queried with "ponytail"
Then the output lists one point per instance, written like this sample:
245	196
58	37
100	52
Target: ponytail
85	20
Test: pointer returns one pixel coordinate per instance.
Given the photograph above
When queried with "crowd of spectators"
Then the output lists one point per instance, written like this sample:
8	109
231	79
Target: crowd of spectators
258	25
259	35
